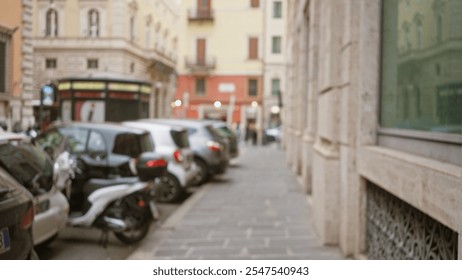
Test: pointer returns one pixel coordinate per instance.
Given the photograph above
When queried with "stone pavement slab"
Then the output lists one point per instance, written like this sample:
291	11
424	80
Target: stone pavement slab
257	210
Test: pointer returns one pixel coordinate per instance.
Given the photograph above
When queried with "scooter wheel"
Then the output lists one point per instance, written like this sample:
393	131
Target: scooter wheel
138	230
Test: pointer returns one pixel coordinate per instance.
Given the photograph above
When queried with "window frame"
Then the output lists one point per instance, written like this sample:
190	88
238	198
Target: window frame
400	132
48	63
5	39
49	23
402	138
89	63
249	87
89	23
252	55
277	13
254	4
273	92
277	39
196	86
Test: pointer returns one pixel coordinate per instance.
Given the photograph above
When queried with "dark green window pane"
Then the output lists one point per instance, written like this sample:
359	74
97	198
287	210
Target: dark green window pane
422	66
3	59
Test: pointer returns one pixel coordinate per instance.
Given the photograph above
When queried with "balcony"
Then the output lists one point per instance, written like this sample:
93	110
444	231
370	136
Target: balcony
200	66
200	14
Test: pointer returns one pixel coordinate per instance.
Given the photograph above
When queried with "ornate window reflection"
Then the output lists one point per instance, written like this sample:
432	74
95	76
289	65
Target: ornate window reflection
421	65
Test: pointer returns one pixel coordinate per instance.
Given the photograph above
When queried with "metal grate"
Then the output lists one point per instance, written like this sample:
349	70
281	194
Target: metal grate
398	231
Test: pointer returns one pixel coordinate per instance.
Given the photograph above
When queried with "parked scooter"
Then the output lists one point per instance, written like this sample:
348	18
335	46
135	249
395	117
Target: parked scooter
124	205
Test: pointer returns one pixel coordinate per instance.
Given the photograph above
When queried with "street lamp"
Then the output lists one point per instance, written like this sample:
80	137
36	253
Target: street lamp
217	104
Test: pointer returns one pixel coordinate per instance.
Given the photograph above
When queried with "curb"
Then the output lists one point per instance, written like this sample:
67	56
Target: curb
146	249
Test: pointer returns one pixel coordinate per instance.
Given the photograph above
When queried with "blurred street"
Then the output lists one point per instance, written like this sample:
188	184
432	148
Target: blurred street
256	210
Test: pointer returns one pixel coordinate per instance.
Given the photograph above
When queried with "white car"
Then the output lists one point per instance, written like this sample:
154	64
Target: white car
32	168
172	142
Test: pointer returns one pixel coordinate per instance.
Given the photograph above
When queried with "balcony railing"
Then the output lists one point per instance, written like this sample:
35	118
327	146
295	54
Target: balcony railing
200	65
200	14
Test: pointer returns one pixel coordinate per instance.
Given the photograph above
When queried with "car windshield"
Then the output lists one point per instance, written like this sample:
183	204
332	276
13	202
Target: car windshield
214	132
224	131
132	145
24	162
180	137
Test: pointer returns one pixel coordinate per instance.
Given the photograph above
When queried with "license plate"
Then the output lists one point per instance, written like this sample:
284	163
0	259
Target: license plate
4	240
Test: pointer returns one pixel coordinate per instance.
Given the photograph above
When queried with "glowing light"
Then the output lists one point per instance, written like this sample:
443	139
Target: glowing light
275	109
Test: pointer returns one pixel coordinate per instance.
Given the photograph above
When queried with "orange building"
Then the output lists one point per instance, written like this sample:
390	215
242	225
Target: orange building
16	63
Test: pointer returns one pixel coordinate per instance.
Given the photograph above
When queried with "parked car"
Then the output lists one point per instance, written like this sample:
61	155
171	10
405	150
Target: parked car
32	168
224	131
171	141
273	134
101	151
210	148
16	217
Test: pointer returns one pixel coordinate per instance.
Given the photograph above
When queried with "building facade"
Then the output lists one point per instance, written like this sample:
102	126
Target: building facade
221	68
114	39
16	64
374	103
274	72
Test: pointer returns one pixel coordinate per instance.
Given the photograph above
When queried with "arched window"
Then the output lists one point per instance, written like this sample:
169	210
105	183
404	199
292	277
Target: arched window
93	23
132	28
51	23
439	28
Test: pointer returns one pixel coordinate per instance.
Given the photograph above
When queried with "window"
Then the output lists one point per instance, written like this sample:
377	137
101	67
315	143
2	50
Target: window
200	86
275	86
93	23
147	31
253	87
132	28
96	143
253	48
51	28
277	9
50	63
92	63
3	59
254	3
420	90
132	67
276	44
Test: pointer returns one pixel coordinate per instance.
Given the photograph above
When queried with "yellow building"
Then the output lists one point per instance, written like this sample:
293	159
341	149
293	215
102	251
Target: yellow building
15	64
124	40
221	64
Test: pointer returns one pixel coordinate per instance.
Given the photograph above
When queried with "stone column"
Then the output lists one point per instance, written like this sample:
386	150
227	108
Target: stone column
326	159
367	98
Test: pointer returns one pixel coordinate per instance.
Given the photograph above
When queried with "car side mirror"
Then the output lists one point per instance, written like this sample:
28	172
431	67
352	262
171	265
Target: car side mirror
150	166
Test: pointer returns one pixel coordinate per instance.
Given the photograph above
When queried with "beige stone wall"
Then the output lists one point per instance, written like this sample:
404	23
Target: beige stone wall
339	145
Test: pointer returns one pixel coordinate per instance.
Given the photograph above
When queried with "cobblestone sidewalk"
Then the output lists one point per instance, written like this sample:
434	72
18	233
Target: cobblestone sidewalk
256	210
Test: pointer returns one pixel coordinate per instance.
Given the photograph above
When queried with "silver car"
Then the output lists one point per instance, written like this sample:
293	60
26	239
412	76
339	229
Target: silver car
211	151
32	168
171	141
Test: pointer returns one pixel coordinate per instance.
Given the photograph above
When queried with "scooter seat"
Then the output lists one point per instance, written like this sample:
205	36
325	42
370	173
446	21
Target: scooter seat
96	184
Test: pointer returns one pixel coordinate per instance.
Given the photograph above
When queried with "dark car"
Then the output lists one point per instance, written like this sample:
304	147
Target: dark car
16	217
101	150
223	129
211	152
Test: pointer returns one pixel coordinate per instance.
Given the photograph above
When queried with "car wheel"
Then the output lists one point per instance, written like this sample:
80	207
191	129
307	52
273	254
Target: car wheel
170	190
202	174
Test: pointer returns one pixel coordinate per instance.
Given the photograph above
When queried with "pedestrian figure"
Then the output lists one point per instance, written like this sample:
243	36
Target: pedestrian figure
253	133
